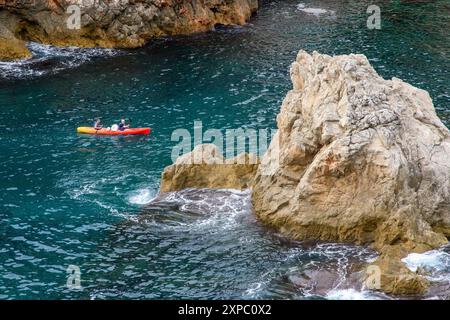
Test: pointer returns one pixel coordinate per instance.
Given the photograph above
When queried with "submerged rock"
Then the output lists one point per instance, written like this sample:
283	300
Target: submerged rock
319	282
115	23
356	159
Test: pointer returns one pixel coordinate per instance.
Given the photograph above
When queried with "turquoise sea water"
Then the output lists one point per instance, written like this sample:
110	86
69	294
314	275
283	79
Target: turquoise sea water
67	199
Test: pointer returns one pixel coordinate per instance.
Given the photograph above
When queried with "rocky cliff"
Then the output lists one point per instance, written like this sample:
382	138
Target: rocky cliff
110	23
356	159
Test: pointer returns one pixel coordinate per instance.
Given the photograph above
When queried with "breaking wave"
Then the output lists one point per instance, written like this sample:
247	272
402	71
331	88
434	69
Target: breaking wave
435	264
350	294
49	59
141	196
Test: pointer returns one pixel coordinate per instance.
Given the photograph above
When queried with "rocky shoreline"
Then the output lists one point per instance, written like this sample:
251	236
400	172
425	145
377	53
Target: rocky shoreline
111	23
356	159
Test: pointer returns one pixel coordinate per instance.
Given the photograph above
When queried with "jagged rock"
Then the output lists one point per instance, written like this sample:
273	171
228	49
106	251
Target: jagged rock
117	23
205	167
394	277
361	159
356	159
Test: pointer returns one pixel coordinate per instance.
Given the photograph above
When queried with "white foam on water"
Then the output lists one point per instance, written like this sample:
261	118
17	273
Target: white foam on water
78	193
60	58
435	262
220	208
109	208
226	209
17	69
251	99
49	50
314	11
431	259
255	289
342	252
349	294
85	192
338	257
141	196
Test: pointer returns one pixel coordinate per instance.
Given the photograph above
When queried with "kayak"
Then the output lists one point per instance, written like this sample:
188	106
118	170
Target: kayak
109	132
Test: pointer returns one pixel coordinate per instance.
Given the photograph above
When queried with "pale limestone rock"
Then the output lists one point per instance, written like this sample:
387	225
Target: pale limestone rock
205	167
361	159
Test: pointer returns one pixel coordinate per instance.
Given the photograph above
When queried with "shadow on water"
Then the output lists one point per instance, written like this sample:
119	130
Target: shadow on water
117	138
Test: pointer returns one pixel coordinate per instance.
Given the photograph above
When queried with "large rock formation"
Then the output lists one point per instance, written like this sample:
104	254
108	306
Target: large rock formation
360	159
112	23
357	159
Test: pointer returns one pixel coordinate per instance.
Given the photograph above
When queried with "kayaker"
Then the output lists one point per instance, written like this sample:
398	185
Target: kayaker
123	125
98	124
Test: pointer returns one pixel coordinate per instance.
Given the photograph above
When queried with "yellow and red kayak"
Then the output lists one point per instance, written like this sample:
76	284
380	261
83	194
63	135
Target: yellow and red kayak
109	132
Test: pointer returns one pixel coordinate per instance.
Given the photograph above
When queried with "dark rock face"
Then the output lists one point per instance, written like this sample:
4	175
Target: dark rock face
115	23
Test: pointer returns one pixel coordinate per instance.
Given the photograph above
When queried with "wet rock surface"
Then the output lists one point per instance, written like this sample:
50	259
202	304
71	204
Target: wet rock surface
115	23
